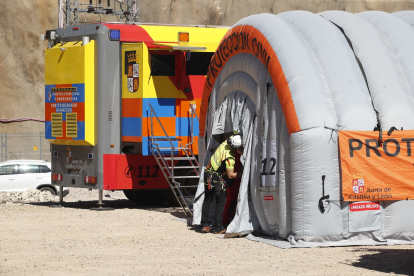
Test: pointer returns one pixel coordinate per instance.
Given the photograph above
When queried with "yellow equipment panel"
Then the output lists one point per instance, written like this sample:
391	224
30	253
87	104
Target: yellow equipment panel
70	94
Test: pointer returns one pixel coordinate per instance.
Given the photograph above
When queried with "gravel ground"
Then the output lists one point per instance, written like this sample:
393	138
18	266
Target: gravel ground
80	194
39	240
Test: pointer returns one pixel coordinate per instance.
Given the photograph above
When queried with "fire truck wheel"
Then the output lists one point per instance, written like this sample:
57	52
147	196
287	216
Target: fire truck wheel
189	193
145	197
170	198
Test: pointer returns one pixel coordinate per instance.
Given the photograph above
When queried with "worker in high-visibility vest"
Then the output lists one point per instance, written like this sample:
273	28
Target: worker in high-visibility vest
216	179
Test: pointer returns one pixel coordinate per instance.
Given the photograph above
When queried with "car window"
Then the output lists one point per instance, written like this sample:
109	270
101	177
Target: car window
8	169
44	169
29	169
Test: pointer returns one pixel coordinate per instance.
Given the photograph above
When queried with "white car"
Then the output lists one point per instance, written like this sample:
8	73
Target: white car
21	175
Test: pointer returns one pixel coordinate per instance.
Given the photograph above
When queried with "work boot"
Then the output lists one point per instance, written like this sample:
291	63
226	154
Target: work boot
220	232
205	229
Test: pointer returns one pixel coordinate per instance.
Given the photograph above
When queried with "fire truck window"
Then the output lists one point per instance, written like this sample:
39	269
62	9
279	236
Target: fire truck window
198	63
163	65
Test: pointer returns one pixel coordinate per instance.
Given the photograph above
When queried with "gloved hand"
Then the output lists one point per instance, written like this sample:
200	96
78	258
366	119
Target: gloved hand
228	183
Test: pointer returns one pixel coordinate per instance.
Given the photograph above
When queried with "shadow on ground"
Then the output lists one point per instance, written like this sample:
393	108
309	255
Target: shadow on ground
119	204
397	261
113	203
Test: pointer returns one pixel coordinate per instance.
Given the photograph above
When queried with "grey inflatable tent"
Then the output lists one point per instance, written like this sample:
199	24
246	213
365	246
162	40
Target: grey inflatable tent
303	89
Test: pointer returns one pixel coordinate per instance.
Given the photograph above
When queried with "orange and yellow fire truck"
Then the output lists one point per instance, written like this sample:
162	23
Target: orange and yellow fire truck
121	106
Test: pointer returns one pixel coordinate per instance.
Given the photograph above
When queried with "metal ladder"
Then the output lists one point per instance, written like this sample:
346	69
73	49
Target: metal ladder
166	163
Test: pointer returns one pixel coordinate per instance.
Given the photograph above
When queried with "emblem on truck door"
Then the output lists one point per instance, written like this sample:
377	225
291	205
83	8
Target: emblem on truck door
132	70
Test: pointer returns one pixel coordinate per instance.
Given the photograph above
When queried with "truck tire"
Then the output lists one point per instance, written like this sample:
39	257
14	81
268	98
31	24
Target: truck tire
169	196
190	192
145	197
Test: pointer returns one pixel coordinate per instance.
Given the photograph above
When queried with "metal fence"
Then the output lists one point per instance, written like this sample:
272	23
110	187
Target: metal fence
24	146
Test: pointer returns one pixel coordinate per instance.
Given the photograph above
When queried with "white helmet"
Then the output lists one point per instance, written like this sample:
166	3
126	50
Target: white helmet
235	142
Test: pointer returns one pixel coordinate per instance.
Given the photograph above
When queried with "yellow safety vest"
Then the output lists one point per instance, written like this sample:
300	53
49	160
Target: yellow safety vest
223	158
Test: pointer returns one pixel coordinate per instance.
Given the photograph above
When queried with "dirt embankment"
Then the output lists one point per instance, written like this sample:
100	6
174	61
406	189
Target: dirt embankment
22	52
22	61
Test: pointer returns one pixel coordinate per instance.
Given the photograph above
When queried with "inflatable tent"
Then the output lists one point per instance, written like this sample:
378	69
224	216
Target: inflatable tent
325	103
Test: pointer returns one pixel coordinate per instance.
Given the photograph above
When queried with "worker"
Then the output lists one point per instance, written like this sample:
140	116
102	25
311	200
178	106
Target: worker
216	175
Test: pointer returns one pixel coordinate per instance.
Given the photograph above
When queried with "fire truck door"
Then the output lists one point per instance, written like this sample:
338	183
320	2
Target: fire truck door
192	80
132	75
131	70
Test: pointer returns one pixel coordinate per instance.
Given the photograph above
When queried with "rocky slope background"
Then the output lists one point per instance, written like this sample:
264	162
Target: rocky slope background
22	52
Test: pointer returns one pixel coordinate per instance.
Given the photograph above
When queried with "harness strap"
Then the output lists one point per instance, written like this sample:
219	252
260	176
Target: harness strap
212	179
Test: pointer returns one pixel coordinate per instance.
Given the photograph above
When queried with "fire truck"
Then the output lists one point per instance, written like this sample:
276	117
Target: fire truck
121	107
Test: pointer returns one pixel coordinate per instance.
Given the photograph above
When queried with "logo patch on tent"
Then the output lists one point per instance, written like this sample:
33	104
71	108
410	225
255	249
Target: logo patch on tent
268	197
366	206
358	184
388	168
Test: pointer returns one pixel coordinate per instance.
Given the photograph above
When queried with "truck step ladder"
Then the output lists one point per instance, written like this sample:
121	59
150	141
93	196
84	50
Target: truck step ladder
167	166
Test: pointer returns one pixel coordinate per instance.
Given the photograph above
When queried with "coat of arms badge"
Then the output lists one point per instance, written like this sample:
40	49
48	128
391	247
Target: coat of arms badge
358	184
132	71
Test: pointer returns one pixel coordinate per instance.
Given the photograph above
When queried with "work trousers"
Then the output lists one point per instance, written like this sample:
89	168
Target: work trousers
209	195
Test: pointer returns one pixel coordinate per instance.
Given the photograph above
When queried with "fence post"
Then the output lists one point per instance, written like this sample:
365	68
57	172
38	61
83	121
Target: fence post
5	147
40	145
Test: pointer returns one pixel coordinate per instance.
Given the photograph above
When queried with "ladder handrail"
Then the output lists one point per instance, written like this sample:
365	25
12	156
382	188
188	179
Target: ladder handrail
193	112
172	182
195	159
191	162
152	134
162	161
166	134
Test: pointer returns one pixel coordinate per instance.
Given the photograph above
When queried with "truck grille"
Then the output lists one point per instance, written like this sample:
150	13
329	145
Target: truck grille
56	124
71	125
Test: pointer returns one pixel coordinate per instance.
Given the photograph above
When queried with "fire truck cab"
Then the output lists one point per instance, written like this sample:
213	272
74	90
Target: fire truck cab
121	105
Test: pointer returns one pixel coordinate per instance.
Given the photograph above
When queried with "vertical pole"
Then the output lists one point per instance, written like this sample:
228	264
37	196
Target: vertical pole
60	195
1	145
172	164
5	146
59	13
60	203
62	13
131	7
40	145
67	8
100	196
100	203
76	13
192	121
135	11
